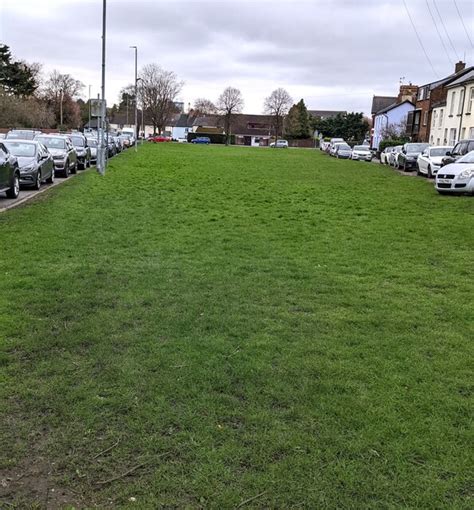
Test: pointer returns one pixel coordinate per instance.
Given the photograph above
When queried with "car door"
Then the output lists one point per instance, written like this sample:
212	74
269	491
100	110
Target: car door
4	168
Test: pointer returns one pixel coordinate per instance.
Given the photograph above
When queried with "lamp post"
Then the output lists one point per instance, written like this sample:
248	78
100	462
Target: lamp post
136	95
89	106
61	98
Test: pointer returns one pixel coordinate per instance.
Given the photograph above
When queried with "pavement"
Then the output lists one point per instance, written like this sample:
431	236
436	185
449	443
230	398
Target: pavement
28	194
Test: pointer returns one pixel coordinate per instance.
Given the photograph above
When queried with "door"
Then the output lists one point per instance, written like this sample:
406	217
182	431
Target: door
4	173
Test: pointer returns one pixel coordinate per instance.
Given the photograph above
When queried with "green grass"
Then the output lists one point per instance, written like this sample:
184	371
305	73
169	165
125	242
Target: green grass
244	323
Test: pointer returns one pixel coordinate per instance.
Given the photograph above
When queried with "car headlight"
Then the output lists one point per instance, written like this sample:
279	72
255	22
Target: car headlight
28	168
466	174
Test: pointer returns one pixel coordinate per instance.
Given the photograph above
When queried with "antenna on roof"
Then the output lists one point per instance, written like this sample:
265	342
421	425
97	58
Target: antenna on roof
402	79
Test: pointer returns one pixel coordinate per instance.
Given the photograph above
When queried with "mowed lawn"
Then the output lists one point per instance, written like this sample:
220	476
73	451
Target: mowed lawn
212	327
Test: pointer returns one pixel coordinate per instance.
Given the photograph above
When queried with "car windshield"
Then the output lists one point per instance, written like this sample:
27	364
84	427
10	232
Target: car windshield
343	148
468	158
77	141
439	152
416	147
361	148
53	143
21	150
92	143
26	135
398	148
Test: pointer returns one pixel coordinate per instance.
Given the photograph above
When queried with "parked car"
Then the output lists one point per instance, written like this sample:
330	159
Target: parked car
361	153
63	152
459	150
429	161
126	140
182	140
93	143
2	136
23	134
9	173
456	178
118	143
159	139
282	144
333	148
82	148
111	148
385	155
201	139
34	161
393	157
407	157
343	151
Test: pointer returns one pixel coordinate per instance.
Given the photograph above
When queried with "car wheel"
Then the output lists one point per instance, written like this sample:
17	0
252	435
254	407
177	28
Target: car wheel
404	168
74	168
37	184
66	170
14	191
50	180
430	173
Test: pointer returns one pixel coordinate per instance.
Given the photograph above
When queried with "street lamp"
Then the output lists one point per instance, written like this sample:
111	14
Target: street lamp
101	161
136	95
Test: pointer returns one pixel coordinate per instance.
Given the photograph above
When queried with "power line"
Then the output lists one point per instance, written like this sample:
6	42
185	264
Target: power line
418	37
445	31
462	21
439	33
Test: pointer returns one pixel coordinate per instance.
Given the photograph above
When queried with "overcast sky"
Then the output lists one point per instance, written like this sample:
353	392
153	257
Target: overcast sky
334	54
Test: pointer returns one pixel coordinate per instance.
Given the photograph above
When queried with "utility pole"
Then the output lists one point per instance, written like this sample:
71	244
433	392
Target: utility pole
136	96
89	107
61	97
101	162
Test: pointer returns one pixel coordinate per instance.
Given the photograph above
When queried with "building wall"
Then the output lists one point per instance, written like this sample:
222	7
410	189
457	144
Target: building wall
437	128
393	117
180	132
459	116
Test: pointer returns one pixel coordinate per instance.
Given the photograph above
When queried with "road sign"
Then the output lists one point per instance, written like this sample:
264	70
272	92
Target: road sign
98	108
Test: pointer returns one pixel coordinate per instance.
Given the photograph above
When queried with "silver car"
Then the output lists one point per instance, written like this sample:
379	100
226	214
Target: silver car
361	153
63	152
343	151
456	178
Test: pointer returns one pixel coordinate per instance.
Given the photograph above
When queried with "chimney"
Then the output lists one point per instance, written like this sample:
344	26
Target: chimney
459	66
407	92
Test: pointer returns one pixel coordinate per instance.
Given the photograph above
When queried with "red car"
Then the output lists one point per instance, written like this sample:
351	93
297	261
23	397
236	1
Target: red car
159	138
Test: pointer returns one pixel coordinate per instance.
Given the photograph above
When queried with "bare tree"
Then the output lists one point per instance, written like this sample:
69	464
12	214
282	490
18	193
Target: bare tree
203	106
158	90
278	104
229	102
394	130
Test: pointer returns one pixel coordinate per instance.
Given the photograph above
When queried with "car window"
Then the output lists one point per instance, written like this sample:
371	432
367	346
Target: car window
470	146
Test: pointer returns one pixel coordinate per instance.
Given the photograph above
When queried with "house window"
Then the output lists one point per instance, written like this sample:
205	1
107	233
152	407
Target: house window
471	132
452	136
441	113
435	114
470	101
437	141
463	133
445	136
451	106
425	118
428	95
461	101
431	139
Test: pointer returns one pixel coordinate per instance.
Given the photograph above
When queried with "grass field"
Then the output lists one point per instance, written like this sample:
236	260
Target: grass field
211	327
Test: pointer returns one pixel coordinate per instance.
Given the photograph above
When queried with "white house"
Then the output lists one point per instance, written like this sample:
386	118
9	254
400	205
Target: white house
392	117
458	118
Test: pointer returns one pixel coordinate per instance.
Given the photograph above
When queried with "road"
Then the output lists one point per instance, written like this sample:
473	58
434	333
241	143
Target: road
28	194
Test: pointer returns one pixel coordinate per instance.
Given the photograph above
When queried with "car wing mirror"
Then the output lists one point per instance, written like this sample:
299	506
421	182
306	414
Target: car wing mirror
448	153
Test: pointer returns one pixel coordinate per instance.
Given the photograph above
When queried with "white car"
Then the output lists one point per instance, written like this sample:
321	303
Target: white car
429	161
385	155
333	148
182	140
456	178
280	143
361	153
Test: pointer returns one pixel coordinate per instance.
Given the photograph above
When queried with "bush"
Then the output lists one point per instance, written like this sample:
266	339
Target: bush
391	142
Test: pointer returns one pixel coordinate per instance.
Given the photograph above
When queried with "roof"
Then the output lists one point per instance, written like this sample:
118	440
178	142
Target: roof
469	76
326	114
184	121
394	105
252	125
381	102
449	79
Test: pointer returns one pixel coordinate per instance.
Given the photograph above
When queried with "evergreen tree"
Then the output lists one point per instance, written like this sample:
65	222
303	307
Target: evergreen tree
16	78
297	123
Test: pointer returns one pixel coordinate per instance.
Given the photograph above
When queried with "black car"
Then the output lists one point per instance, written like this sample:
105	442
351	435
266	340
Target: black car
9	173
22	134
35	162
63	152
408	156
459	150
83	150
